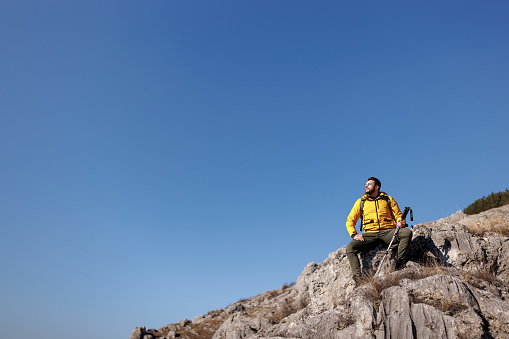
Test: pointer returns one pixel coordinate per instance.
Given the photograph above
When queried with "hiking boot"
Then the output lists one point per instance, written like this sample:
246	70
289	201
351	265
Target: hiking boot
400	264
357	280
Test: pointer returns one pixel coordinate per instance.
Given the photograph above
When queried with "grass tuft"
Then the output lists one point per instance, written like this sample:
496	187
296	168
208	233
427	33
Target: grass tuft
481	276
430	266
490	225
448	306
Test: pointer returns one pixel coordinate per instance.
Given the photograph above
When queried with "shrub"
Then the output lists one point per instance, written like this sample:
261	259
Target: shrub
485	203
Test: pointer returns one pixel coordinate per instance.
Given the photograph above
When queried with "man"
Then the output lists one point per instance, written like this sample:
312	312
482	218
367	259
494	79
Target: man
380	217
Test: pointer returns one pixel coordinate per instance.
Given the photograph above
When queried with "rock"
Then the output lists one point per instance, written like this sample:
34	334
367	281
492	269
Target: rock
237	307
241	326
434	307
181	325
199	318
138	333
454	286
302	285
441	305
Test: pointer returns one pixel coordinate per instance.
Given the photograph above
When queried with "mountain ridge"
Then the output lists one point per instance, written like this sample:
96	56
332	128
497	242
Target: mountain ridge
453	286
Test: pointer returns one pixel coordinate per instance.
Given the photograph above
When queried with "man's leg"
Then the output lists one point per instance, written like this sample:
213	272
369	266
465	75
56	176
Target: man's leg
404	237
402	240
357	246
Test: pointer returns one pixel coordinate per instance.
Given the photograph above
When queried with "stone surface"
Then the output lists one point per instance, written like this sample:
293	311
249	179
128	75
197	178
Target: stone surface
454	286
138	333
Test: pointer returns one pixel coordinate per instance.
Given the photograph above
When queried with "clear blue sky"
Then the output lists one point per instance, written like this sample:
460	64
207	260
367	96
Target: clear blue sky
164	158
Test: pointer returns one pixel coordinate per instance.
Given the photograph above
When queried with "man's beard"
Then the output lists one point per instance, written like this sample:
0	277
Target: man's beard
370	191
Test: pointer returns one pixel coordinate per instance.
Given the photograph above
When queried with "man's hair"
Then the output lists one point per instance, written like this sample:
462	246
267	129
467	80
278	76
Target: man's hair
377	182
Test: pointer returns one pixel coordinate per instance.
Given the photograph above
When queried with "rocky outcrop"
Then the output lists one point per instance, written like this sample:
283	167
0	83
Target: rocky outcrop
454	286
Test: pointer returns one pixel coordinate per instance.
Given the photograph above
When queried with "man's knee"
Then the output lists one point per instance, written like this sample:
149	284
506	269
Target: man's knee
349	248
405	233
354	246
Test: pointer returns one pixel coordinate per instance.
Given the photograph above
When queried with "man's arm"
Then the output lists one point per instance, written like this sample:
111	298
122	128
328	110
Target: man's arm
352	218
396	212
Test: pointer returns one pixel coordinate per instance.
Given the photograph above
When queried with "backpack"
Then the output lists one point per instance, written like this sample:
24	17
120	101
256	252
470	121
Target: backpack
385	197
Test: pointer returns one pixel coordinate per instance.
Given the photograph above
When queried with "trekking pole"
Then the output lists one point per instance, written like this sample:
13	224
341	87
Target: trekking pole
394	236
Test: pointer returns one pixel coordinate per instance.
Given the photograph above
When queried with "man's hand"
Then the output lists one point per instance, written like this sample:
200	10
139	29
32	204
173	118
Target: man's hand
401	223
359	237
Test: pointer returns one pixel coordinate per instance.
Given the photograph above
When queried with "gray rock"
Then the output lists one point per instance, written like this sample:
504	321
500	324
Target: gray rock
138	333
183	324
302	285
241	326
199	318
439	306
233	308
464	296
435	307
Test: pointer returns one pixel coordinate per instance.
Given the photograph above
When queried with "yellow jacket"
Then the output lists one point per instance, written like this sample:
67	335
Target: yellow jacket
377	214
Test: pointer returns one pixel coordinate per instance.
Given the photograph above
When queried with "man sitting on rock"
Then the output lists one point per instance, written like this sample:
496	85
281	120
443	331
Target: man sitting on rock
379	213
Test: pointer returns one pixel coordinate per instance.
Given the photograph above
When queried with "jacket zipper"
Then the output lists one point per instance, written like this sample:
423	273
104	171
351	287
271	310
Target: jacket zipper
377	218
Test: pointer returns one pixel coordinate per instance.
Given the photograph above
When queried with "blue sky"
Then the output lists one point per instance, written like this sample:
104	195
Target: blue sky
164	158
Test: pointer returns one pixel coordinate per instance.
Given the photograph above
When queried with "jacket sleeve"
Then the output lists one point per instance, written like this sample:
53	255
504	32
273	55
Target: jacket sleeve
396	212
354	215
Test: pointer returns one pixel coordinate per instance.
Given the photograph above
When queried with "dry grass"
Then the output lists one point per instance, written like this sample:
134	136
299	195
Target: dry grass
344	320
203	330
377	285
206	328
448	306
497	225
286	285
481	276
430	266
287	309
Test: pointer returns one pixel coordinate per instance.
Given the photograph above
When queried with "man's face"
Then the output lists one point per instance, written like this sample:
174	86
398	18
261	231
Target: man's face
370	187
